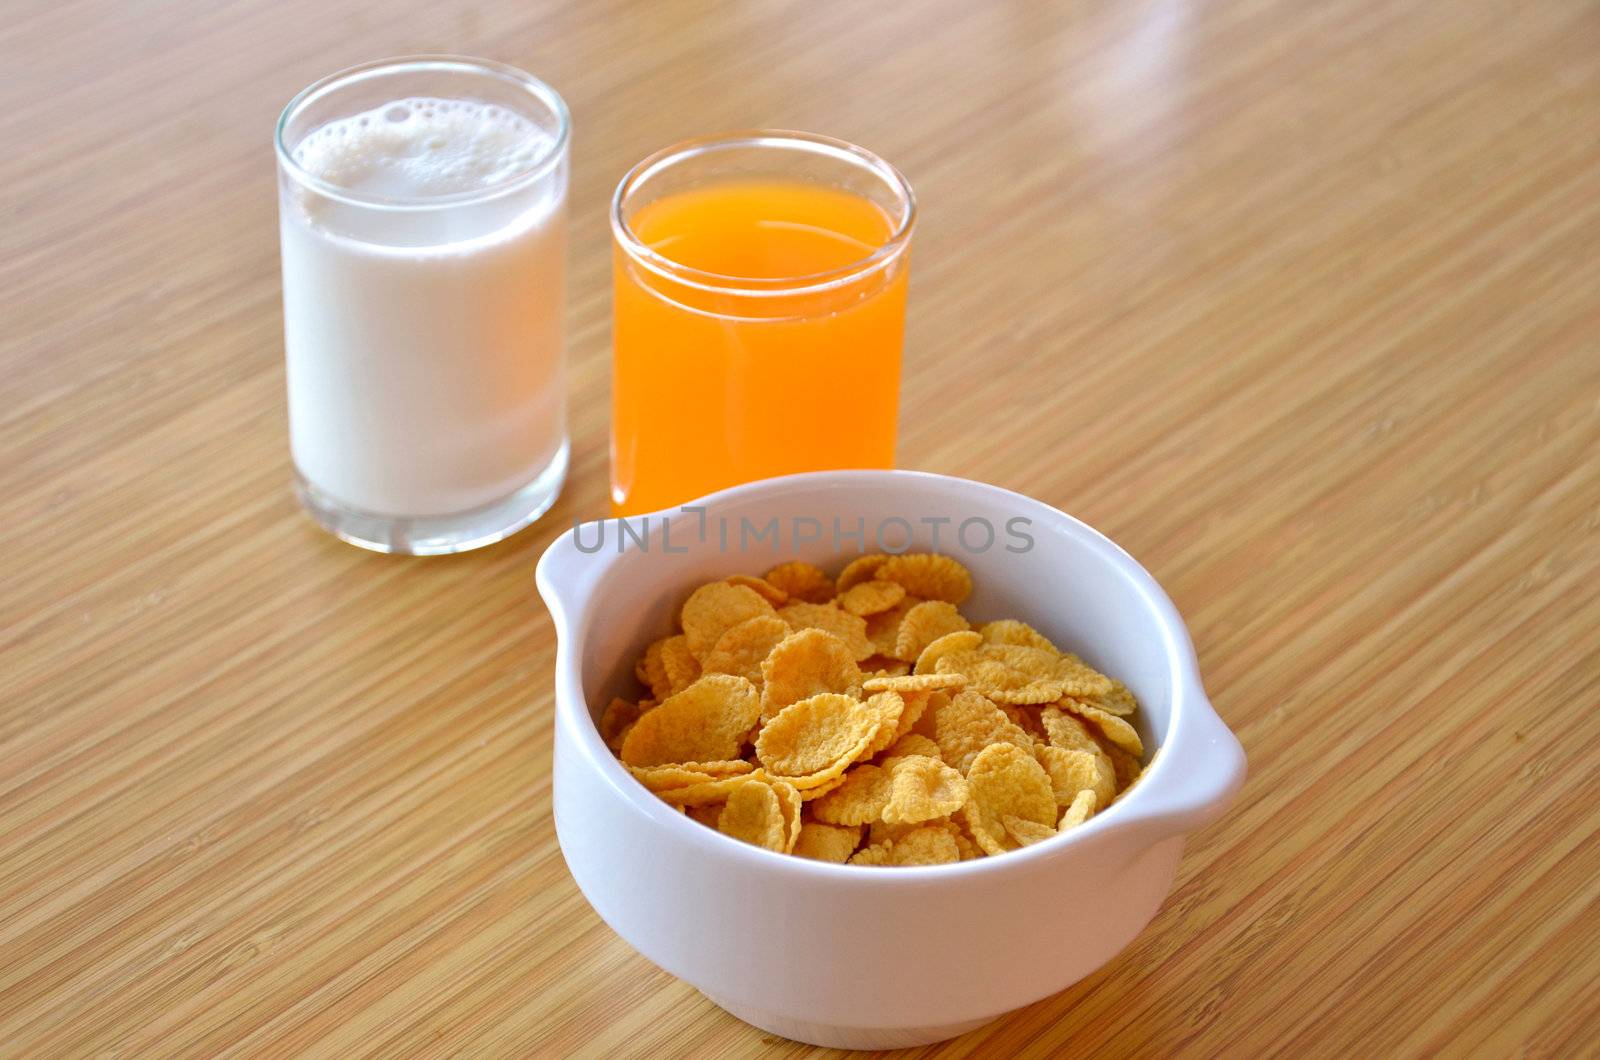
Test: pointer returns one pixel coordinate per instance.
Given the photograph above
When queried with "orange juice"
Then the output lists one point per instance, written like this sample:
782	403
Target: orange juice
767	342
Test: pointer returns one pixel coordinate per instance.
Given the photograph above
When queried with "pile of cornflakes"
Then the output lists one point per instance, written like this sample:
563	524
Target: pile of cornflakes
863	719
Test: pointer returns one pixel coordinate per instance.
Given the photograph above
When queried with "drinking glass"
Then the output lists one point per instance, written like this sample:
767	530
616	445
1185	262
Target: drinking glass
759	310
422	208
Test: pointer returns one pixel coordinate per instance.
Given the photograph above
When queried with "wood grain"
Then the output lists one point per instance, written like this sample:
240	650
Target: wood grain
1301	303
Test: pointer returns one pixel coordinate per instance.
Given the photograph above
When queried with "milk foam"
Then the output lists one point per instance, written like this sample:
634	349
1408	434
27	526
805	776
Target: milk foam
422	147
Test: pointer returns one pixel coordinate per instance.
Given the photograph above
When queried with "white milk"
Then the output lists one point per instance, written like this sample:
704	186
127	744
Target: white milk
424	342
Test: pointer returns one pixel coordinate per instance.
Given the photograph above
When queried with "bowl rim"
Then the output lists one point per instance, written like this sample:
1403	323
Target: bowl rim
1142	804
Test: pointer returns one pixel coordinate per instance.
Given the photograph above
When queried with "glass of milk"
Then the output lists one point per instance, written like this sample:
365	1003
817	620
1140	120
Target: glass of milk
422	206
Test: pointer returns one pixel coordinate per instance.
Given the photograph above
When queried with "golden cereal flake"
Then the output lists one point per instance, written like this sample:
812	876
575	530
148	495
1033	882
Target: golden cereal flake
679	665
801	581
715	608
742	648
1075	771
858	570
814	740
762	588
1065	731
922	789
1006	780
916	704
996	679
871	597
788	805
827	842
859	800
914	683
1118	732
930	575
706	813
1133	782
967	724
710	792
622	736
924	624
817	791
872	854
963	836
1030	695
665	778
1026	718
879	831
961	641
923	725
803	665
883	666
652	672
914	744
729	768
1080	680
1081	810
1035	663
852	629
615	719
753	814
1026	833
1011	631
1118	701
891	707
929	845
883	628
706	722
1127	766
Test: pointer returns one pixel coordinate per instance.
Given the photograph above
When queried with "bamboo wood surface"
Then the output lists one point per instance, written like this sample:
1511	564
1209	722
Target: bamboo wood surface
1299	302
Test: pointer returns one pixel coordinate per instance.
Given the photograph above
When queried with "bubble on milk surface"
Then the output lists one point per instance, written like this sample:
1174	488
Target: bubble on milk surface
422	147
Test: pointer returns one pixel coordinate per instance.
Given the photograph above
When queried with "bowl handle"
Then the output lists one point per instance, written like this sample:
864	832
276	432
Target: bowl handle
565	575
1213	773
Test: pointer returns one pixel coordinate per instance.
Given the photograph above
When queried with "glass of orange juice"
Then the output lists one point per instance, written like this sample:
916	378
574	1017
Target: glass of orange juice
759	314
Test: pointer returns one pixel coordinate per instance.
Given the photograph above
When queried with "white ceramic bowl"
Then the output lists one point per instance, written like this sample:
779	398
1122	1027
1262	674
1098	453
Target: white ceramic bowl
857	957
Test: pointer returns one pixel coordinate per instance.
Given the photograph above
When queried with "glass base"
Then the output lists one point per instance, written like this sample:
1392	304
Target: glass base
437	535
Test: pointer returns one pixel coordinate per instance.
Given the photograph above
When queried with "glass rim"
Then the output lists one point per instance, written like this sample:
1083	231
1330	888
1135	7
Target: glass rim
727	284
538	167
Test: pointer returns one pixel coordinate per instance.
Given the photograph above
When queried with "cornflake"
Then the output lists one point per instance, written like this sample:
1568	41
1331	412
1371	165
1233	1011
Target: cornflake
754	814
883	628
763	588
816	739
852	629
742	649
920	846
679	666
804	664
1006	781
860	799
706	722
924	624
929	575
828	842
862	719
858	570
921	789
869	598
715	608
801	581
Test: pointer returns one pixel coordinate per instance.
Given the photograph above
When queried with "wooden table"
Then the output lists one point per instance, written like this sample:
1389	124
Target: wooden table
1301	303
